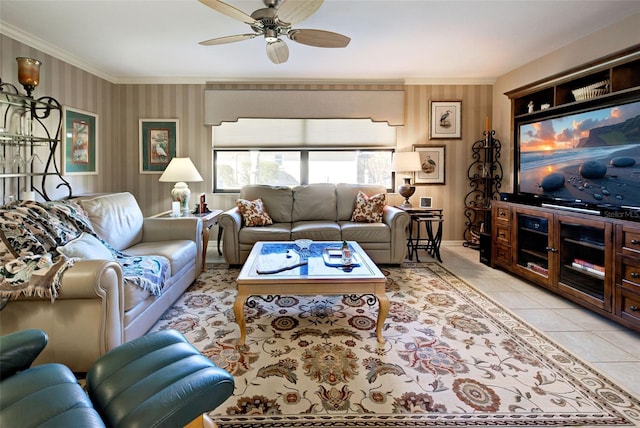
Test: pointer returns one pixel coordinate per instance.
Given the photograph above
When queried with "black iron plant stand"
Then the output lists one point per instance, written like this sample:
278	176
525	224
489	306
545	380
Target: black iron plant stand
485	179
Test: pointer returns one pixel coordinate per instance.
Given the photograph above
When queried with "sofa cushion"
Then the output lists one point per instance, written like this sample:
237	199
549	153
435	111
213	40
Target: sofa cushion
346	197
314	202
365	232
180	253
273	232
369	209
277	200
253	212
86	247
316	230
116	218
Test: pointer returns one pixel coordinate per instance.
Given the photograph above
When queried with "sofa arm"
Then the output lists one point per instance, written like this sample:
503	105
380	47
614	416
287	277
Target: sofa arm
231	221
398	221
18	350
101	281
88	279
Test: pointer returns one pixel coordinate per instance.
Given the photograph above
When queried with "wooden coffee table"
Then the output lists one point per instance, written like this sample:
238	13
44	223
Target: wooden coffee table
321	274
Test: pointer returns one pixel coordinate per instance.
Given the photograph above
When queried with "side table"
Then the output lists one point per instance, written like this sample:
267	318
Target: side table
426	216
209	220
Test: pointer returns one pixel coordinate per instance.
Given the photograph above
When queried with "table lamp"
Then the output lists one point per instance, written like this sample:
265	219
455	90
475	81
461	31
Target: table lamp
406	162
181	171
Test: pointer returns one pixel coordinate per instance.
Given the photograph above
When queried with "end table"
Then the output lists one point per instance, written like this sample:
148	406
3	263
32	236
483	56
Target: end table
431	243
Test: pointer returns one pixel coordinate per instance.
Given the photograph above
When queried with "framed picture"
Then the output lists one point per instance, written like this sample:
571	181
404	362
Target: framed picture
158	144
425	202
80	142
446	119
432	161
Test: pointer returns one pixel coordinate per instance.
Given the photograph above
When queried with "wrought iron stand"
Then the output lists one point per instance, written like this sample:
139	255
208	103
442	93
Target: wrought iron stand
485	179
27	125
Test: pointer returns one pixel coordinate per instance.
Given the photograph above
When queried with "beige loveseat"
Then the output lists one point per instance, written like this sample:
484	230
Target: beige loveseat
95	310
321	212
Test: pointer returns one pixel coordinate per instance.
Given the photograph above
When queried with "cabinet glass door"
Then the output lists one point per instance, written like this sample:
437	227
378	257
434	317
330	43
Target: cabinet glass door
533	242
582	259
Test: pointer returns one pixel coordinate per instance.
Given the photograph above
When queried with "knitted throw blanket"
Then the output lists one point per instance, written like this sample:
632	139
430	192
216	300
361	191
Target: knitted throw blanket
31	232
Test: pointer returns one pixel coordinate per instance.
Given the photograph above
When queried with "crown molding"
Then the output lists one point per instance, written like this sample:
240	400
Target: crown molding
49	49
431	81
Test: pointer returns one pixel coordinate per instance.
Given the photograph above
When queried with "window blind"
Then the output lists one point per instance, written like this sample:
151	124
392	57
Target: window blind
303	133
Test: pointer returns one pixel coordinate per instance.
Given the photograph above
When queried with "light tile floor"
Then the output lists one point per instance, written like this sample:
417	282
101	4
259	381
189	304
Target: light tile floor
608	347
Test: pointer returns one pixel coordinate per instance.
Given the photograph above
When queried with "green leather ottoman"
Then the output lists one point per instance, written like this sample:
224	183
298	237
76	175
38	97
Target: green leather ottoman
157	380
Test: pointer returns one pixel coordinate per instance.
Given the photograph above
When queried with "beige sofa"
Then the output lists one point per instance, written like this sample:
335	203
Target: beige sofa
95	311
321	212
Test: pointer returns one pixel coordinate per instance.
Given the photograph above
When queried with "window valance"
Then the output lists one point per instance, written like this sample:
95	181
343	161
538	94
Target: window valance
229	105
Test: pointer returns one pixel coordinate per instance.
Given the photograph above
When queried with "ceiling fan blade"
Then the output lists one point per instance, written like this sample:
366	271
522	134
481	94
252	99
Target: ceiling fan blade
319	38
228	39
294	11
229	11
278	52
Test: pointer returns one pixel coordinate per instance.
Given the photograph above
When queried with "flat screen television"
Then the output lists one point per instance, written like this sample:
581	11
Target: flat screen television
588	159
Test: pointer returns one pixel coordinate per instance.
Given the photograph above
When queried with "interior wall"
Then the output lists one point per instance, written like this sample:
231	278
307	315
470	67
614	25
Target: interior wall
597	45
74	88
182	102
476	107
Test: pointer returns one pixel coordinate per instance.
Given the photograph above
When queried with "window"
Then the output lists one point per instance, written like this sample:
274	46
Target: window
235	168
290	152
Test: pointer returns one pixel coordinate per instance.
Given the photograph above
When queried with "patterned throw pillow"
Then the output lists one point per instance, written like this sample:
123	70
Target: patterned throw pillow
369	208
253	212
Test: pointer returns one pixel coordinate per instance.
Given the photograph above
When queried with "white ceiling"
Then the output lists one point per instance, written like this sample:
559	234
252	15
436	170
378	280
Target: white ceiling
145	41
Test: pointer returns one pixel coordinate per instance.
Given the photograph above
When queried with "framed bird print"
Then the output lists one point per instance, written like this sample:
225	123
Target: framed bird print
158	144
446	119
432	164
80	143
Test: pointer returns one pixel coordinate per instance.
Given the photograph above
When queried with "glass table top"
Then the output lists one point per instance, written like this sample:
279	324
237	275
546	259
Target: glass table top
321	260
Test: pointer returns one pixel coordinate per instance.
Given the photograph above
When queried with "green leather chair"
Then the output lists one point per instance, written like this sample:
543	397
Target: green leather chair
157	380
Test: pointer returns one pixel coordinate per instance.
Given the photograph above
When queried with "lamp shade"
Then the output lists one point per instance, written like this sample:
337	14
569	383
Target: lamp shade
180	169
406	161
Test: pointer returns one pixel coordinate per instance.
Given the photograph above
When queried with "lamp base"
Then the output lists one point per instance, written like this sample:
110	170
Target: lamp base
181	193
406	190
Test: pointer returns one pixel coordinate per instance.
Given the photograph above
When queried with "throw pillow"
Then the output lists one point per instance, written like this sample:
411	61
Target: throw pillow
253	212
86	247
369	208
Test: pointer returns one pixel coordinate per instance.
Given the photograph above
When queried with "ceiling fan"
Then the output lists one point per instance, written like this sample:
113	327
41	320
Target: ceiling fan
275	20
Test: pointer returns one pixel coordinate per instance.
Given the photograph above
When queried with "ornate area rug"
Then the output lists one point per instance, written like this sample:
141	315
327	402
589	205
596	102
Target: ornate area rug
452	357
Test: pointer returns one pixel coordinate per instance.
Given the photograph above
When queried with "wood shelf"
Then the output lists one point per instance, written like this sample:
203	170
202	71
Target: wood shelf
621	70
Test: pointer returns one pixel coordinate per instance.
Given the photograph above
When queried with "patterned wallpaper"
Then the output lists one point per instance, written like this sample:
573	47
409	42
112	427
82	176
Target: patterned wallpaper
120	107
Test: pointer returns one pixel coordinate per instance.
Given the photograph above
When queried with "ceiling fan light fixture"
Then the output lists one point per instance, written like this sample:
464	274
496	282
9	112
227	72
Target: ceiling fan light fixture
271	35
275	20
